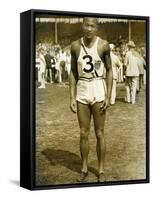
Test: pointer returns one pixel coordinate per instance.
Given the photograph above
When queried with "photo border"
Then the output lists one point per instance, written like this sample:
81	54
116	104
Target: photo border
28	103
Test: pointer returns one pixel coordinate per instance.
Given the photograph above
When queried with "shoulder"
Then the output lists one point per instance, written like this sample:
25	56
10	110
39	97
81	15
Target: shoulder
103	45
75	45
75	48
103	42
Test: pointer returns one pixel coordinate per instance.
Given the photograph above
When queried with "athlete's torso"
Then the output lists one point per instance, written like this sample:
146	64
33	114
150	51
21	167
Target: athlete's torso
89	63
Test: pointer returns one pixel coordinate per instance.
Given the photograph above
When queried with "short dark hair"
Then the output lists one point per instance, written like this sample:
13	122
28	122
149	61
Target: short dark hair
93	18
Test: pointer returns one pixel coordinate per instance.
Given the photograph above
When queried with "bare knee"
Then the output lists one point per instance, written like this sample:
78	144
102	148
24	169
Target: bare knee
84	134
99	134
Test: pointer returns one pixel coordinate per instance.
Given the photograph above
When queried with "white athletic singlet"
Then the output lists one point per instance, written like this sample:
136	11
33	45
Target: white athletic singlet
91	87
89	63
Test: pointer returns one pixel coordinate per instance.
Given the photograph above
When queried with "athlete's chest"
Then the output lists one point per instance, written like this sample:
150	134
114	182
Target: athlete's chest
89	63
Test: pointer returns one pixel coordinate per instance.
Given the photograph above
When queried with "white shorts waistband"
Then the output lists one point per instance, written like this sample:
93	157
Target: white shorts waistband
90	79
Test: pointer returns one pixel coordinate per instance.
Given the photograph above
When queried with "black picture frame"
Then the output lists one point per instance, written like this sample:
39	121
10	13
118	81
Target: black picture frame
27	99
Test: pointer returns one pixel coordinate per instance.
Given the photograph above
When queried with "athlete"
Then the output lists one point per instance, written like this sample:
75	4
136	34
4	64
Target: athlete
88	92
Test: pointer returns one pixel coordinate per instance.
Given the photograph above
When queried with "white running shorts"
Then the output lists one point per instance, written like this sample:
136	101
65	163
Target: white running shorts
90	92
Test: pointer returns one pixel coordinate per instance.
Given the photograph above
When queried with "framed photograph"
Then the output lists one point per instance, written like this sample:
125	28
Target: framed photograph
84	99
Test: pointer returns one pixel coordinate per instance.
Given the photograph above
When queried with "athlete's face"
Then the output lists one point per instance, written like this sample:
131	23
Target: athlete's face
89	27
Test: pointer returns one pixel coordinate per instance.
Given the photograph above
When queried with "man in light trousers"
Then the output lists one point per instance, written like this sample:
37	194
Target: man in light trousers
116	64
131	72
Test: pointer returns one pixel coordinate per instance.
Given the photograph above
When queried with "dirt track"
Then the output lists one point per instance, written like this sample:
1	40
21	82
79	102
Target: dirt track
57	139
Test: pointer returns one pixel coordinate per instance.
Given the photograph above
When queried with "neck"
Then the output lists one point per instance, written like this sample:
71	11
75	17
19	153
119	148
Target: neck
89	41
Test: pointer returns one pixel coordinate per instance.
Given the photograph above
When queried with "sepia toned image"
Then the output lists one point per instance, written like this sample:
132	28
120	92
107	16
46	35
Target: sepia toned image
90	99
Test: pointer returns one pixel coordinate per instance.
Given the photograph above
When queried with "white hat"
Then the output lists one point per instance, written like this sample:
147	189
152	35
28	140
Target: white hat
131	44
112	46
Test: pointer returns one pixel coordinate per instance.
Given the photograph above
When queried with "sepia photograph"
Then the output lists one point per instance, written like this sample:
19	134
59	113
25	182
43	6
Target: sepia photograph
90	99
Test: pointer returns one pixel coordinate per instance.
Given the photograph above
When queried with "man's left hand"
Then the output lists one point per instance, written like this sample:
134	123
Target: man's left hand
105	105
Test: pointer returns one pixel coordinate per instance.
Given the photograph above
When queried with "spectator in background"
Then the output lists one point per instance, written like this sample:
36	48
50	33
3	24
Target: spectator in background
131	72
42	67
37	65
48	66
62	65
58	77
116	64
53	67
68	62
142	66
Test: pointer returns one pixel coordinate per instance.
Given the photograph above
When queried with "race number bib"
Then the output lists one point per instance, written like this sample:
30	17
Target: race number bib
89	66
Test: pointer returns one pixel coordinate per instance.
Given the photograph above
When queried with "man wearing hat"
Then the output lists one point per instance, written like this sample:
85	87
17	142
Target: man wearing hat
131	72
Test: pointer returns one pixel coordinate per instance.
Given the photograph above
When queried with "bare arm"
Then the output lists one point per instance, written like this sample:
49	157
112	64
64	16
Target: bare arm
73	80
105	56
108	66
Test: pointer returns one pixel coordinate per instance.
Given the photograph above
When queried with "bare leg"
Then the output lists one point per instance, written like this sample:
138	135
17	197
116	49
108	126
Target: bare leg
84	116
99	120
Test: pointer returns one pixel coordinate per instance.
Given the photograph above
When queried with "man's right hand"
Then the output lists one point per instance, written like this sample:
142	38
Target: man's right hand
73	106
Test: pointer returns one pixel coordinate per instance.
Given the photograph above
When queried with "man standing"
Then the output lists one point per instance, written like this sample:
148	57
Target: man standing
131	72
53	66
116	64
42	68
88	93
48	66
62	57
142	66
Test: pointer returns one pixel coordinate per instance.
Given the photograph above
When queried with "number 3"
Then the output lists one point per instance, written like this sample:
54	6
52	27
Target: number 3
89	62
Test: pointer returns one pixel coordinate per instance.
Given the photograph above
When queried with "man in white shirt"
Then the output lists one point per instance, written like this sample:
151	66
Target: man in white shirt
42	67
116	64
131	72
141	65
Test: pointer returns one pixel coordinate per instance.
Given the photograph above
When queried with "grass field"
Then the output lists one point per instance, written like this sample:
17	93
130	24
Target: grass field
57	139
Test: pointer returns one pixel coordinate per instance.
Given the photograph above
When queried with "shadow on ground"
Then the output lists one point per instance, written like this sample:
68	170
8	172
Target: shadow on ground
66	159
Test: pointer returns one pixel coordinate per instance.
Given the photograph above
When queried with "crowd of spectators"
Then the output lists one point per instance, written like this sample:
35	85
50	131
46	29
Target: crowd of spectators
57	62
